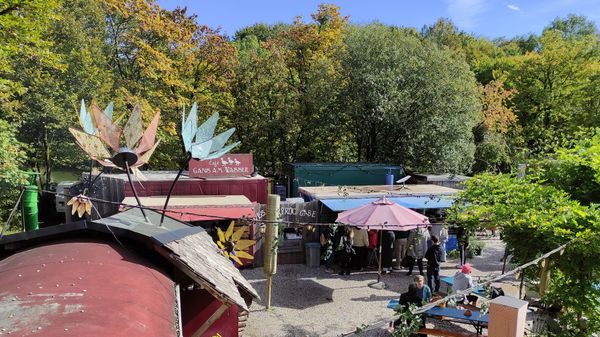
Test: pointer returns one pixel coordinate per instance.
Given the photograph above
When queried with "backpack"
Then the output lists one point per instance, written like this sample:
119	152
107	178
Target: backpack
497	292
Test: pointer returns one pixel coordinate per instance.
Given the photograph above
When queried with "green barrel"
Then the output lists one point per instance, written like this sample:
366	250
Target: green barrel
30	208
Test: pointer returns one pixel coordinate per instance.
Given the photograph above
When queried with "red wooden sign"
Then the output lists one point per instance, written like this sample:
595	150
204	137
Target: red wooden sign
229	165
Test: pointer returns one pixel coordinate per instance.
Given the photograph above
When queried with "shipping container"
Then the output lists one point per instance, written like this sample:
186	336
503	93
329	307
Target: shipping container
330	174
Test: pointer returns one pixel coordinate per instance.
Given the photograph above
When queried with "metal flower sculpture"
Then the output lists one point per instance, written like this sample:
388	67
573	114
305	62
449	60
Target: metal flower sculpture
204	146
199	143
100	129
232	247
80	204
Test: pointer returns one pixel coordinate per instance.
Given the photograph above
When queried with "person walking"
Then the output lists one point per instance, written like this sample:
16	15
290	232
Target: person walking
387	251
373	258
462	236
433	256
327	249
441	232
400	246
344	249
360	243
417	246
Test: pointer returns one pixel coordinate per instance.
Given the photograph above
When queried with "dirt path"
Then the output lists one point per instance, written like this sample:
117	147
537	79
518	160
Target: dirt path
310	302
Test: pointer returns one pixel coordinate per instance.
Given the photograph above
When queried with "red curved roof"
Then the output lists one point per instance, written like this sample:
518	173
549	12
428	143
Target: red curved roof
84	289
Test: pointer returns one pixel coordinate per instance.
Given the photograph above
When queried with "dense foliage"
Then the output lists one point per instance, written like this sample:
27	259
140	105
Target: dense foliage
318	89
556	203
11	175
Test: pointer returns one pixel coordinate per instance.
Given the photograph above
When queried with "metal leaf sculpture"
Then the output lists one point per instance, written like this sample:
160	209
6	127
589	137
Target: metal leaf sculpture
200	143
100	130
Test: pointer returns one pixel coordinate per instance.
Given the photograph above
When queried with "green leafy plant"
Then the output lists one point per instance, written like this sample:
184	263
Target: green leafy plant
408	322
475	247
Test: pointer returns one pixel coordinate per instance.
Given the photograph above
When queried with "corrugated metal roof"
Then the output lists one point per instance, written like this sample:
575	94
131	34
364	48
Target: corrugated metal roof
133	220
190	200
201	208
84	289
336	192
211	213
345	204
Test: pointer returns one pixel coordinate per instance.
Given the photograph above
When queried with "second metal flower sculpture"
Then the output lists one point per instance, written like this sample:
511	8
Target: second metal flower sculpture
199	143
99	129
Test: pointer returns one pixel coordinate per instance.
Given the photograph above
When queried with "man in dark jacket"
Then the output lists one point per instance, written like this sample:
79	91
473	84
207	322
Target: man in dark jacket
434	256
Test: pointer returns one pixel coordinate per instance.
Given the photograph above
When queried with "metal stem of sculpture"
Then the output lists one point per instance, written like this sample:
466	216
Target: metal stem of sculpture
200	144
137	198
162	217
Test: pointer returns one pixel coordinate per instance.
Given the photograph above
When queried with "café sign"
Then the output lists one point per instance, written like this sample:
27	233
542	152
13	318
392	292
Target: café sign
301	212
229	165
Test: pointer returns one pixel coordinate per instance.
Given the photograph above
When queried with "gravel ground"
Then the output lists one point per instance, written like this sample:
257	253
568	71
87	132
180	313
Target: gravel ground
311	302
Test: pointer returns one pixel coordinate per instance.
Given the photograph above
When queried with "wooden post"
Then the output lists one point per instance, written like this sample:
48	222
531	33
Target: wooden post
270	243
507	317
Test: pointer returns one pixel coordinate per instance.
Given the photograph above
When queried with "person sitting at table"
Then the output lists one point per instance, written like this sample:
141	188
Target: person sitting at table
408	298
463	281
423	290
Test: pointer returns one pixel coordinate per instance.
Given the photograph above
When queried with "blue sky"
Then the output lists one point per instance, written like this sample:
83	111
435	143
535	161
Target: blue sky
487	18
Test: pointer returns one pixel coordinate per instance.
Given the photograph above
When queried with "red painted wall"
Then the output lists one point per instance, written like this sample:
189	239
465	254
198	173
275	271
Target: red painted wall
253	189
197	306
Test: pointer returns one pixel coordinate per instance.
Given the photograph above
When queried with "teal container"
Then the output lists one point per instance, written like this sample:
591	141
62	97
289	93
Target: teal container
332	174
30	208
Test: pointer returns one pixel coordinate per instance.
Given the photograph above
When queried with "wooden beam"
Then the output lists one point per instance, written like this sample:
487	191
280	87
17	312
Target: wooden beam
215	316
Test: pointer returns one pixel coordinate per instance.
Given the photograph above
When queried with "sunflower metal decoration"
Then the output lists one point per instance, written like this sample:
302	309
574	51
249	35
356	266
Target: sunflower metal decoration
80	204
232	247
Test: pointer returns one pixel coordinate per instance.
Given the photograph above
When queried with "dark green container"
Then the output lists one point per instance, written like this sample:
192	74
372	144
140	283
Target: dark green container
332	174
30	208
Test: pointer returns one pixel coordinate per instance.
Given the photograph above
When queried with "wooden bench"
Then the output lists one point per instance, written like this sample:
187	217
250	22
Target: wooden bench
446	333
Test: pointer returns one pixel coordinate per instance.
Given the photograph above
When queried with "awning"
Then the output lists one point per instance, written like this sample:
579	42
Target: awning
211	213
201	208
338	205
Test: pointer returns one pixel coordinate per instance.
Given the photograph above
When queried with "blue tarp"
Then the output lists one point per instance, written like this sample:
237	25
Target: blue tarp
338	205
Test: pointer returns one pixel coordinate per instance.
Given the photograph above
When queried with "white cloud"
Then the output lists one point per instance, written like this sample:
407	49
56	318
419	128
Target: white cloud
465	13
513	8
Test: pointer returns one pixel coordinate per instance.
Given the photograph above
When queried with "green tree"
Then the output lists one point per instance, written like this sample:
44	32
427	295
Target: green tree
547	216
264	102
409	101
495	134
12	158
552	86
573	26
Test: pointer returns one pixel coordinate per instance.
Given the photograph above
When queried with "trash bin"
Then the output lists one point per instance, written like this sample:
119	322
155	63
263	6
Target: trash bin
452	243
313	254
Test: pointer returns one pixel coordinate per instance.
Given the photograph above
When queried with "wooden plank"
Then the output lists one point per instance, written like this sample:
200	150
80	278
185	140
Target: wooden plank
446	333
213	318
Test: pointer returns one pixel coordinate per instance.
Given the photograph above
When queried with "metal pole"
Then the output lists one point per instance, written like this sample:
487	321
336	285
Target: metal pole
134	192
162	217
379	267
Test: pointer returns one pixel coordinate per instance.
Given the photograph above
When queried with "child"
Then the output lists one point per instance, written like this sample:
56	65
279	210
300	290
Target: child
423	290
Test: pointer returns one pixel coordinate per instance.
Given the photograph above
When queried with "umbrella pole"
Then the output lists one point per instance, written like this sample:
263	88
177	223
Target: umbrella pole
379	284
379	268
